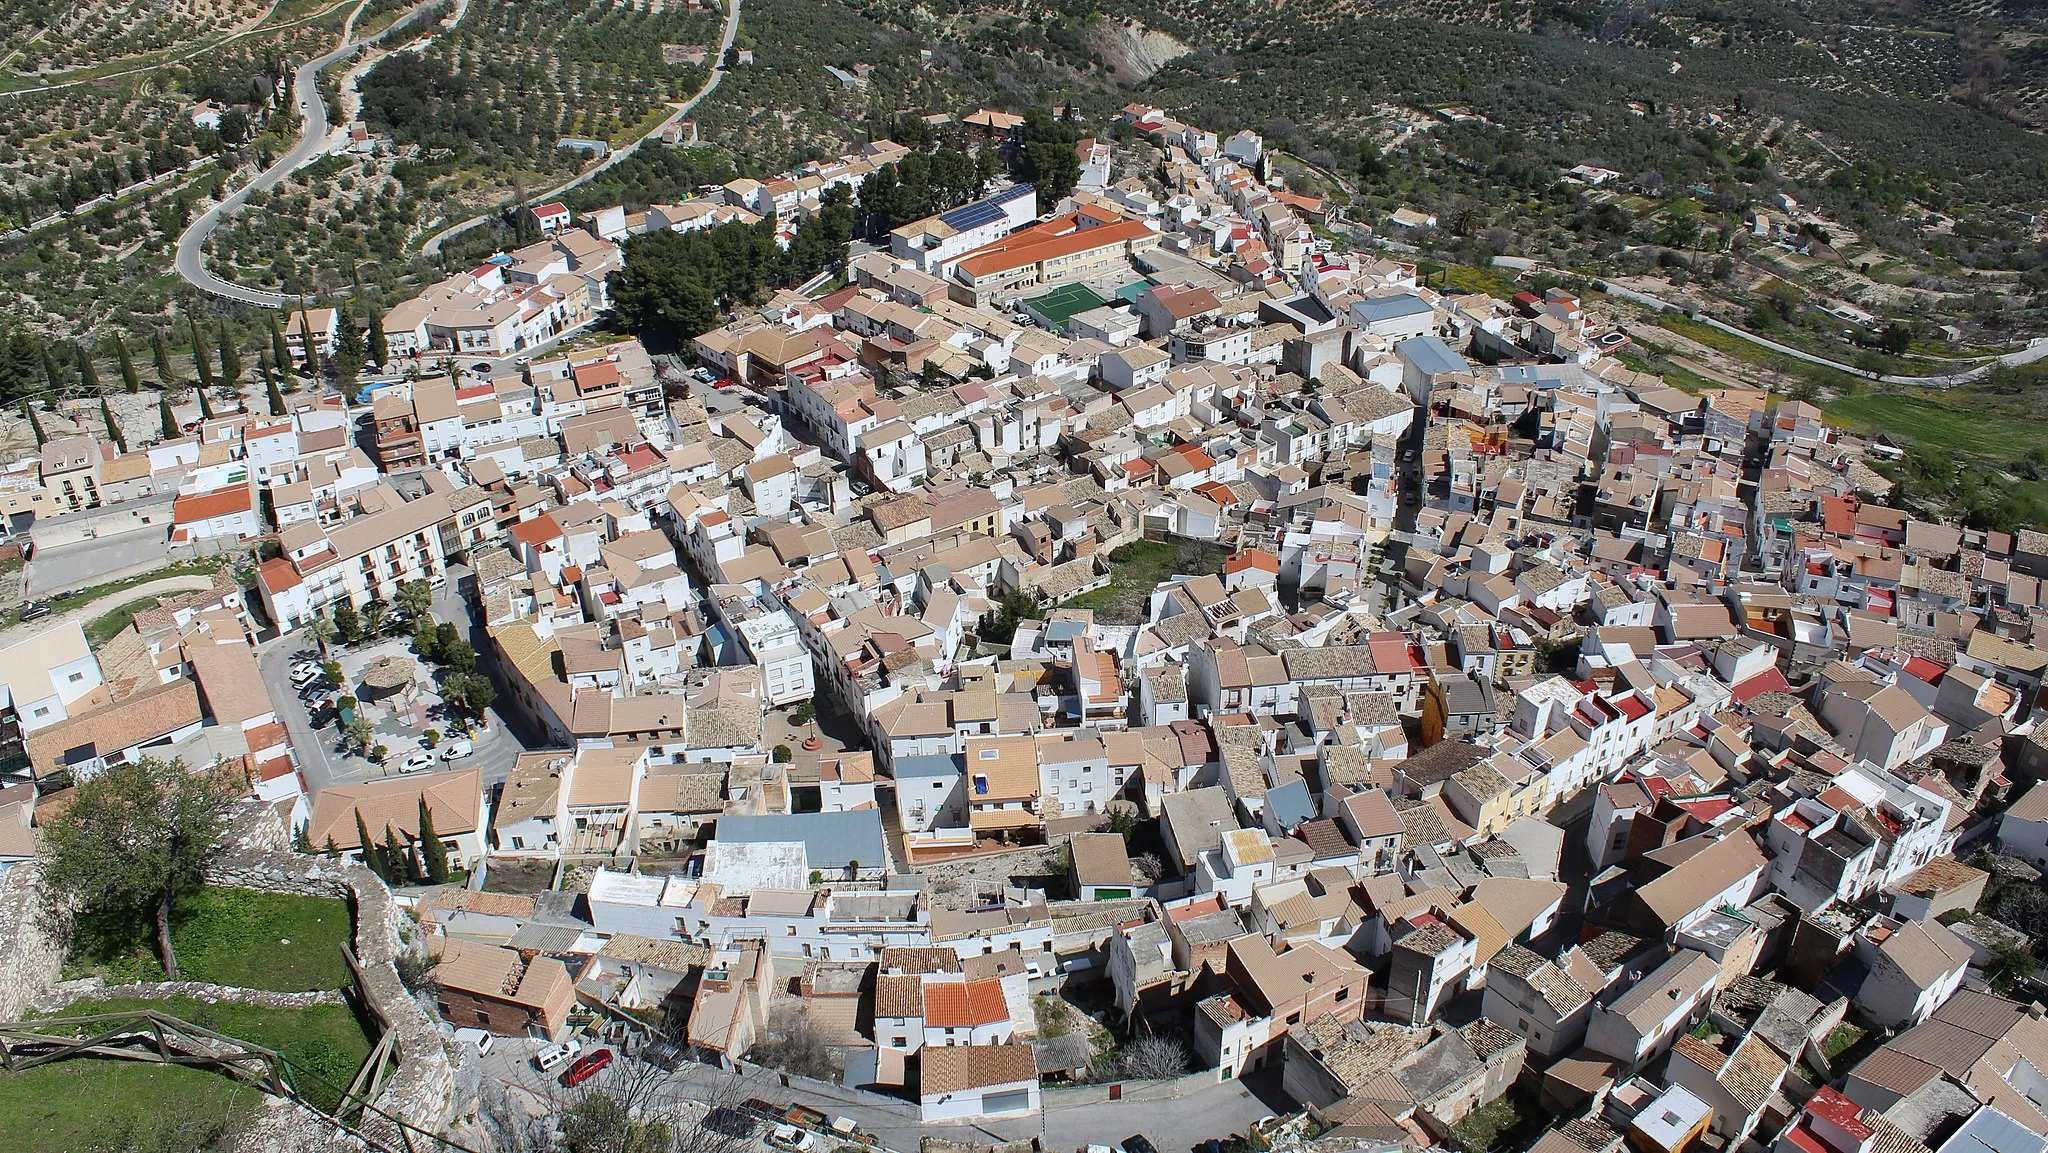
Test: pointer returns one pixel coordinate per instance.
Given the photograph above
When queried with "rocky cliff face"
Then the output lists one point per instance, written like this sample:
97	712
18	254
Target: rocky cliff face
1133	51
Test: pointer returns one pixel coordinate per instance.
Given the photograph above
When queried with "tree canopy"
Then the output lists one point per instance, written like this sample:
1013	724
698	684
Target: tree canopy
133	844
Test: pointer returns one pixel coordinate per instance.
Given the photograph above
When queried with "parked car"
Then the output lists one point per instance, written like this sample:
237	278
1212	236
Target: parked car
478	1039
303	677
417	763
482	366
586	1067
791	1137
1136	1143
34	609
457	749
554	1055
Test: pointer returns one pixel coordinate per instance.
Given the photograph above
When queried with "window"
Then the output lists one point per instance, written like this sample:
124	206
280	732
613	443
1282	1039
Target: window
990	754
77	677
1343	994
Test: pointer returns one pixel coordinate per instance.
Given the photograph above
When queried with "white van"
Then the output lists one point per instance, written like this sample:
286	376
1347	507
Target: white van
477	1039
548	1059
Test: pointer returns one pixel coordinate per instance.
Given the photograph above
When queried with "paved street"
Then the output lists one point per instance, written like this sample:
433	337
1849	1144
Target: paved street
56	570
1172	1123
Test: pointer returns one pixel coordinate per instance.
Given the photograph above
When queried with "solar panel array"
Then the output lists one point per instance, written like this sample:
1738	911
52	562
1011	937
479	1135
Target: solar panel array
983	211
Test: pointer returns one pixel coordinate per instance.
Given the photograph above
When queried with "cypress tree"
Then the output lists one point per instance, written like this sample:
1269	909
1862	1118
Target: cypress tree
380	348
205	406
331	850
306	339
348	349
432	851
270	388
301	843
52	374
199	357
35	423
113	429
169	418
88	376
369	847
230	358
129	379
160	351
280	352
395	858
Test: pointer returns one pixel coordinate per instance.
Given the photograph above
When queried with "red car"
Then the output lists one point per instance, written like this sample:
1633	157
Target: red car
585	1067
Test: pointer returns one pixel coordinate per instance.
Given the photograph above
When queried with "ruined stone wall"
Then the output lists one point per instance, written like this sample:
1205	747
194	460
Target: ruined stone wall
31	954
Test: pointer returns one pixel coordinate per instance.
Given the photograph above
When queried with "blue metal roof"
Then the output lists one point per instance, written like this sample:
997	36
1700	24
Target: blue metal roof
1377	308
983	211
830	840
1291	804
1430	356
930	765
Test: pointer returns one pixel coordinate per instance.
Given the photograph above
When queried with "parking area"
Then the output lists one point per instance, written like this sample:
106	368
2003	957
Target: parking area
400	713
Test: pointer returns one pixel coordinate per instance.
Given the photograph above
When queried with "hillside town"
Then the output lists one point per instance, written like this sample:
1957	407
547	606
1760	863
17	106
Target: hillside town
1121	645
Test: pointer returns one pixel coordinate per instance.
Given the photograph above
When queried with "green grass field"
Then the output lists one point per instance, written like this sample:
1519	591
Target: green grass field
231	937
91	1104
1945	420
104	627
1135	568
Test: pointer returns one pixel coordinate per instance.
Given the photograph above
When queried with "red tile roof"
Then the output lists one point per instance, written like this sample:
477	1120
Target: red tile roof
963	1004
206	506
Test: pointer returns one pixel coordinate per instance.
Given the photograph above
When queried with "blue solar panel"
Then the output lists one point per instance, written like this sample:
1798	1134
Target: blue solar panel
983	211
972	215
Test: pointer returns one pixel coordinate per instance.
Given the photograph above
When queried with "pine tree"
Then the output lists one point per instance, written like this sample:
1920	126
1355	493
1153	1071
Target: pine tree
331	850
113	429
380	348
88	376
35	424
199	358
280	352
394	857
301	843
160	351
230	358
432	850
369	847
129	379
169	418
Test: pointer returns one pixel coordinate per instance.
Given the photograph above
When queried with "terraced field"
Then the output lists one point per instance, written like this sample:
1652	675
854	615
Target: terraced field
489	105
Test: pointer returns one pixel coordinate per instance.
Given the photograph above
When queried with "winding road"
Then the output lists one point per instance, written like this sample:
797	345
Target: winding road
313	143
2035	349
432	247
